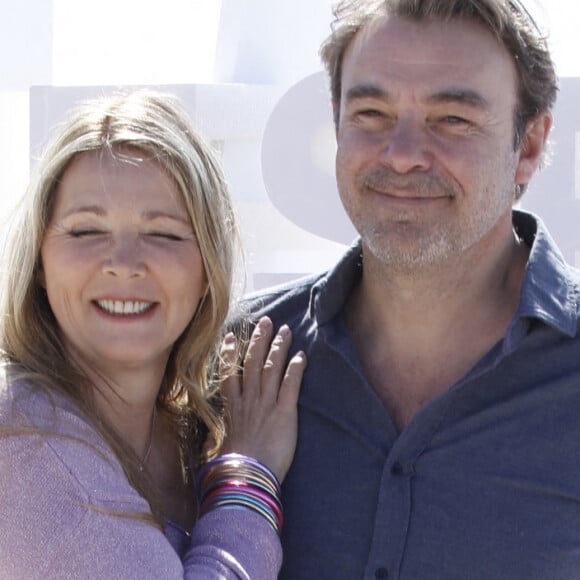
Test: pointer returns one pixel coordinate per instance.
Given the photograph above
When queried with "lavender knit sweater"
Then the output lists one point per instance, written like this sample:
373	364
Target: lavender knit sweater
54	497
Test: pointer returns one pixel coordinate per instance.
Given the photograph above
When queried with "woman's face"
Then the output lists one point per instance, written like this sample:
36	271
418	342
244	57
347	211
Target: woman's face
120	262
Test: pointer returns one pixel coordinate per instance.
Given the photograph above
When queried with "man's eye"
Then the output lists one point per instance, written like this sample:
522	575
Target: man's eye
369	113
373	119
454	120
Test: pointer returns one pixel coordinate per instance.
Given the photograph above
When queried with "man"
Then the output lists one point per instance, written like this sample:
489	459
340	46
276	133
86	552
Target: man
440	411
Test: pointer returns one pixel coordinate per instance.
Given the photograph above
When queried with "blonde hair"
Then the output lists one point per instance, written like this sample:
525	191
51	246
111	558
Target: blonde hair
155	124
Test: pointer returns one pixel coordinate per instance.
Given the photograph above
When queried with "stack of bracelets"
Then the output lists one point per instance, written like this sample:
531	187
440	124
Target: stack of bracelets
238	482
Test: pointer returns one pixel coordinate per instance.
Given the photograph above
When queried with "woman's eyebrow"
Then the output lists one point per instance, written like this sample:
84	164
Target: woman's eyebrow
94	209
160	214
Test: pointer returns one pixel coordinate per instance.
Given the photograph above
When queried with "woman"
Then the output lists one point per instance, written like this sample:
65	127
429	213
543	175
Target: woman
119	282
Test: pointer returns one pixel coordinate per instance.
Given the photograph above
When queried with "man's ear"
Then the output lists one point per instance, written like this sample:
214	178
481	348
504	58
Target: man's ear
335	114
532	148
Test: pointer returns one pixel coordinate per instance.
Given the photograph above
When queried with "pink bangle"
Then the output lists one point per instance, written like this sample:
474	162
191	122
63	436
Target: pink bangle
234	481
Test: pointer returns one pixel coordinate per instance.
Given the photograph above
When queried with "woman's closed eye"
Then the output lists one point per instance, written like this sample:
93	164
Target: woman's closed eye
85	232
167	235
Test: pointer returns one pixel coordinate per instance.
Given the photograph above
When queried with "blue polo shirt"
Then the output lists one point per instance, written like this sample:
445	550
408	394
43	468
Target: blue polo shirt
484	482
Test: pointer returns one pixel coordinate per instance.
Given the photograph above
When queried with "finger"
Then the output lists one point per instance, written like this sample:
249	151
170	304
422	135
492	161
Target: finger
275	364
256	356
290	387
231	385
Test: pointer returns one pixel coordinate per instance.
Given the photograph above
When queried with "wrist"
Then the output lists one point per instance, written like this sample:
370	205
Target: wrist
235	481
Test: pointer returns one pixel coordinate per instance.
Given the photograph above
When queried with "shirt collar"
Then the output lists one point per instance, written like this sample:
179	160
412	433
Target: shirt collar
329	295
550	286
549	293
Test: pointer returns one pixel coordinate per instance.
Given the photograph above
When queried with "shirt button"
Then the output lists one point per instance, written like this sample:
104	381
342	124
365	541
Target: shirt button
397	468
381	573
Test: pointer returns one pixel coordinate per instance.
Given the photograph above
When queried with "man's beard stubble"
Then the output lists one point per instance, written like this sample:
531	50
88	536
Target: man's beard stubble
389	242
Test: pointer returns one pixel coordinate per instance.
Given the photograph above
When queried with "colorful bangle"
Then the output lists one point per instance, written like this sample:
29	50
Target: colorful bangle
234	481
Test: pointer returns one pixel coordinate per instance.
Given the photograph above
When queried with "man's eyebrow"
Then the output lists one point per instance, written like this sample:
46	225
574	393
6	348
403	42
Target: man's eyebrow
460	96
452	95
366	90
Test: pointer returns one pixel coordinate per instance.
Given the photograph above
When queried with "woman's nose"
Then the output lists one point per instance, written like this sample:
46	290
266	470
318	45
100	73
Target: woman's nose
124	258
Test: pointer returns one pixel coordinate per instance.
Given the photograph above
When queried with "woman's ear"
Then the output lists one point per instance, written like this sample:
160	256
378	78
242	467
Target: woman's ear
40	277
532	148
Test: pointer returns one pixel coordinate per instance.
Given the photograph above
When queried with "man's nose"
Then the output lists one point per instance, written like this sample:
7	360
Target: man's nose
407	147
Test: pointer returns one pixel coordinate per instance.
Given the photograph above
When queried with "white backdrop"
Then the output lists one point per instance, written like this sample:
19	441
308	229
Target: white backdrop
249	73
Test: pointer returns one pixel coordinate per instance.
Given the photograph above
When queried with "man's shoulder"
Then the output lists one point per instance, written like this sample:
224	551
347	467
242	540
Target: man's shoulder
317	296
574	282
282	302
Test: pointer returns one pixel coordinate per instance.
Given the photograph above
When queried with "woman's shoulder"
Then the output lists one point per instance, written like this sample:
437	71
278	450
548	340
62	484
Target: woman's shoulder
25	404
63	495
31	411
43	430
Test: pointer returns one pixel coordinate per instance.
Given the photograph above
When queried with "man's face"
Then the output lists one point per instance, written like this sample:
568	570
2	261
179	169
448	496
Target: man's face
426	165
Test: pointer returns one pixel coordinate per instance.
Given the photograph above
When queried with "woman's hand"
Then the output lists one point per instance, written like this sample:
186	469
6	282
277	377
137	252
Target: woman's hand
261	401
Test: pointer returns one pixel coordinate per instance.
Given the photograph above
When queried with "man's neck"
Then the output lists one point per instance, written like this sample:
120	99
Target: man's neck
485	278
418	333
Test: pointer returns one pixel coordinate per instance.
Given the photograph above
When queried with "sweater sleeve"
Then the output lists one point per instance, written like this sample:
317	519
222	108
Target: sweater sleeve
60	499
240	544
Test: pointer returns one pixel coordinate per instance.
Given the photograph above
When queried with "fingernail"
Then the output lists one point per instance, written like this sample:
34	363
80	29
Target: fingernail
284	331
264	323
229	338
